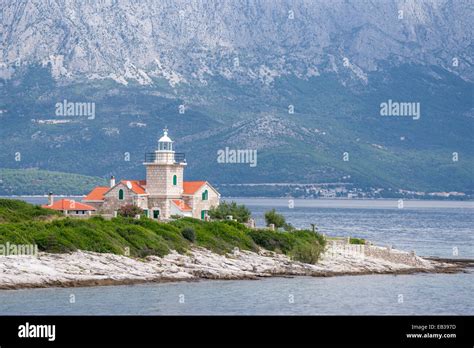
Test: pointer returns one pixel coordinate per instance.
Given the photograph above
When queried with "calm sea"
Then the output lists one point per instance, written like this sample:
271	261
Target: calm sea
431	228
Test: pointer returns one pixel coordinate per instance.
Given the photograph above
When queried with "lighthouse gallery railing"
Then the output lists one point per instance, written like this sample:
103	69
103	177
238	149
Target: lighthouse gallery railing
151	157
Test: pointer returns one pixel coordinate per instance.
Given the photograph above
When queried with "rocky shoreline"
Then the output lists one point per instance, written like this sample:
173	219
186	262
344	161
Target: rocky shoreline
83	268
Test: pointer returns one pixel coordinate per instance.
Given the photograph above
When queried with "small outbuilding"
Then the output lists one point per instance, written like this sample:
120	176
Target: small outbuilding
70	207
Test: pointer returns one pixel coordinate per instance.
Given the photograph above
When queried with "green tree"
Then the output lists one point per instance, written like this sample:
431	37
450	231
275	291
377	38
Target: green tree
272	217
238	211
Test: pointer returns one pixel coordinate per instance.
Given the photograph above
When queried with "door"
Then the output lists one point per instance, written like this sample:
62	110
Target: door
203	214
156	214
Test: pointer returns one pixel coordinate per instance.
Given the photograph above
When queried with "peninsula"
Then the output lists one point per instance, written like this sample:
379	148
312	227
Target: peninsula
121	250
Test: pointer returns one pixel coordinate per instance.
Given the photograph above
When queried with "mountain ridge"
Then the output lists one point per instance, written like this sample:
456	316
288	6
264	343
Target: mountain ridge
157	38
301	91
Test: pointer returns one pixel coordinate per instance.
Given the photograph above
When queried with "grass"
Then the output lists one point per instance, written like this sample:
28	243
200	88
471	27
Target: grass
23	223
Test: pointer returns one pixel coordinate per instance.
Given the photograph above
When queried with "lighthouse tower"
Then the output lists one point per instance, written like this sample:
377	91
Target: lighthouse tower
164	174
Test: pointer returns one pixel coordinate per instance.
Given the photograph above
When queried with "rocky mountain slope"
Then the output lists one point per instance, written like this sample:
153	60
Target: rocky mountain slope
184	41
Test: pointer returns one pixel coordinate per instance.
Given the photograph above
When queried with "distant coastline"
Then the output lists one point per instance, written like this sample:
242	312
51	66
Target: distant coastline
271	197
25	182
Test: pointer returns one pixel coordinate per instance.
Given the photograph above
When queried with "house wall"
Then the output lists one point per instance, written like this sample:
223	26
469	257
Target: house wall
113	203
79	212
159	203
198	204
85	214
97	205
141	201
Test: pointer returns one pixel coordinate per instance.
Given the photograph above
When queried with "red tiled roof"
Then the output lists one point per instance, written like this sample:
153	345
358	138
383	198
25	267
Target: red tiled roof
136	186
97	194
190	187
181	205
68	204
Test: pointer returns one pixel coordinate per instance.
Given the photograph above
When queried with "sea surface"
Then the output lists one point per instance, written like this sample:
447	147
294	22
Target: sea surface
431	228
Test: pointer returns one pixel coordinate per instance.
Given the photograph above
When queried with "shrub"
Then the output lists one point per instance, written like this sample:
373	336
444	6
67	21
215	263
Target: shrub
145	251
218	236
239	212
356	241
305	246
189	234
307	253
272	217
129	210
271	240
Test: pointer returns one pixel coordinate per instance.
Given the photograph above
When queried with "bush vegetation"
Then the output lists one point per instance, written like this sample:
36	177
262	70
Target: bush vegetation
356	240
23	223
12	210
272	217
238	212
129	210
189	234
278	220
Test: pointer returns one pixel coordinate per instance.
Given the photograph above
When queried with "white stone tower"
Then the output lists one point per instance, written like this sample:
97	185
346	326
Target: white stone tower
164	170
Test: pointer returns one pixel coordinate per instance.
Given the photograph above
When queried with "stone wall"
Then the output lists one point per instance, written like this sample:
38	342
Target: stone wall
157	203
97	205
362	251
159	179
198	204
392	255
113	203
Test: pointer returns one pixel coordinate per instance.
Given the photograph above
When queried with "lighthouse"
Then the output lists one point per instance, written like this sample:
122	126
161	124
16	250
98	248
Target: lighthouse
163	194
164	170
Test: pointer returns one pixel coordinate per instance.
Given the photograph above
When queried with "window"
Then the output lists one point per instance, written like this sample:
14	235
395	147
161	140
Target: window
156	214
121	194
165	146
175	180
205	195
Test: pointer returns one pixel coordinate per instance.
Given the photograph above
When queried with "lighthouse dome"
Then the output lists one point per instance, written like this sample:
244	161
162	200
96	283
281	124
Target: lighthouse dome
165	143
165	138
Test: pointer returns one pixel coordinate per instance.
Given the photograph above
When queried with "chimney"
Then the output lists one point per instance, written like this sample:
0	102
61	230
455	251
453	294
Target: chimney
50	198
112	181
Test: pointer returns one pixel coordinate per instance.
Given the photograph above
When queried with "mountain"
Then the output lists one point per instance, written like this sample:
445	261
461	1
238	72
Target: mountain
300	82
41	182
